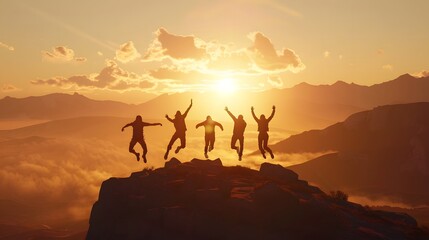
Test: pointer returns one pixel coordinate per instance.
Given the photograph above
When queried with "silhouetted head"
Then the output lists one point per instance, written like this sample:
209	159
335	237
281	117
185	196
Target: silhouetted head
208	118
178	114
240	117
139	118
262	117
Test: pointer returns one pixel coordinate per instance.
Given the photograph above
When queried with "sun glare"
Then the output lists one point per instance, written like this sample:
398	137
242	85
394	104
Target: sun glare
226	85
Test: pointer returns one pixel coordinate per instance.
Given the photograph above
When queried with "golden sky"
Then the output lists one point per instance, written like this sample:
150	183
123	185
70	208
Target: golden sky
132	51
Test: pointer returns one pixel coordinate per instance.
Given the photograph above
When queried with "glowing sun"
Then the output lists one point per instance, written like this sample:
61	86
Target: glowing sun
226	85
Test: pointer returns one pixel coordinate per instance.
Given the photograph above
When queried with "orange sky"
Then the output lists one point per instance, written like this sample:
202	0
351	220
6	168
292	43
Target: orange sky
132	51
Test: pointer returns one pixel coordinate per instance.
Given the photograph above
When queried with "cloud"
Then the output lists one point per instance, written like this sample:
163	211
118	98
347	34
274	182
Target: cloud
47	173
127	52
266	57
340	57
380	51
62	54
9	88
111	77
275	81
175	46
387	67
8	47
100	53
423	73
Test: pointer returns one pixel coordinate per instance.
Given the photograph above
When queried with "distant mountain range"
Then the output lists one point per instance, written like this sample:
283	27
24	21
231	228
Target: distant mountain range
300	108
382	153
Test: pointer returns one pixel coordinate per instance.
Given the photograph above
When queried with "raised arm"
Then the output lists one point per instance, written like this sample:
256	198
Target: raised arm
129	124
219	125
272	113
230	114
254	116
151	124
168	118
187	110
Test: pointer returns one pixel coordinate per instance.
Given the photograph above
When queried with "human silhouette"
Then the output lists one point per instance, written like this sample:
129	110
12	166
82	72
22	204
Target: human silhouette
237	133
209	135
180	126
138	125
263	132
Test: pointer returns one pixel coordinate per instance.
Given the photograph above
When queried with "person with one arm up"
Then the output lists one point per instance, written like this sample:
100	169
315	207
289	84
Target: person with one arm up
138	137
238	133
263	132
180	126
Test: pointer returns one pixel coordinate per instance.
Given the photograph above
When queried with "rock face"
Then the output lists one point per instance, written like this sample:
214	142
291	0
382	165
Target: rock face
202	199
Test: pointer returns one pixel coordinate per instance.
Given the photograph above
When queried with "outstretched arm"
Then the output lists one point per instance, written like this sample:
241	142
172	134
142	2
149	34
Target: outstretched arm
187	110
219	125
200	124
230	114
253	114
151	124
272	113
168	118
129	124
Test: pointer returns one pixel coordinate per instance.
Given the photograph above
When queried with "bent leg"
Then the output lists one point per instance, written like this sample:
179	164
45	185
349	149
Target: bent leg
131	148
182	137
233	142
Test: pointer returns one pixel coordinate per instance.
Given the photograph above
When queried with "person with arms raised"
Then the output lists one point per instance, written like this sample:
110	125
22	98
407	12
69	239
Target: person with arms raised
263	132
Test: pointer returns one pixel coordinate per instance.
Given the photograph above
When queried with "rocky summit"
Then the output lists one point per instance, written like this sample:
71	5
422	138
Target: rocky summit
202	199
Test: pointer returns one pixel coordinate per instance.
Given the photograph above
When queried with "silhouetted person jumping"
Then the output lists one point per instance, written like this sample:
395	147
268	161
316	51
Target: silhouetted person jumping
209	136
138	125
238	133
180	126
263	132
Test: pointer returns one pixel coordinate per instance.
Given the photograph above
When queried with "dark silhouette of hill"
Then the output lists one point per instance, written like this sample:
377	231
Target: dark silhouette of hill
202	199
59	105
381	153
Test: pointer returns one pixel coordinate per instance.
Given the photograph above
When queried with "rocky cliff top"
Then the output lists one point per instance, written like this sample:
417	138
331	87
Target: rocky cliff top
203	199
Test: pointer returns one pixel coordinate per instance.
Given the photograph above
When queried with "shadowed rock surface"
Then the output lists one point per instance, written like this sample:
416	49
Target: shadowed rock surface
202	199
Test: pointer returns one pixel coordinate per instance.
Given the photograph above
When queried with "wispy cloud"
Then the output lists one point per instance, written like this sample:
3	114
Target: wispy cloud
6	46
9	88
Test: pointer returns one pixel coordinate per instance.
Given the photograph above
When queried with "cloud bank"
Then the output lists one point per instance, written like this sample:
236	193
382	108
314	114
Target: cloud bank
111	77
